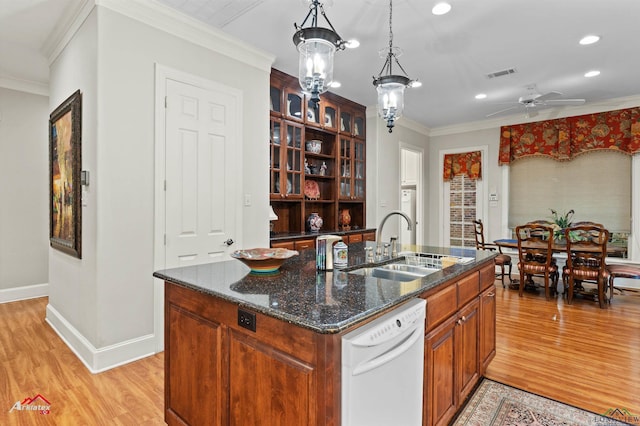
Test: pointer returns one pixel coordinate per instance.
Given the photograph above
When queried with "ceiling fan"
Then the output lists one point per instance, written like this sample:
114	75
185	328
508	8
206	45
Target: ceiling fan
534	100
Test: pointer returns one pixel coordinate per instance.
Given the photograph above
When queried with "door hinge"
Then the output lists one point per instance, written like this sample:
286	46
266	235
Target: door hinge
165	185
165	101
165	239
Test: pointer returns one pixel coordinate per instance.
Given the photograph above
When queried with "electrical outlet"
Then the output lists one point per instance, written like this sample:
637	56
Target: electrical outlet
247	319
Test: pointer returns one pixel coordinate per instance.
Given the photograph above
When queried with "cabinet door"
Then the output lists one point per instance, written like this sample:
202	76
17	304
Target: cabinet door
487	327
295	104
305	244
286	159
440	394
267	386
467	349
352	169
194	367
329	115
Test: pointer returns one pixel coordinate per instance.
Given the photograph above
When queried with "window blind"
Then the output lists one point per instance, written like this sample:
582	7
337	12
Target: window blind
597	186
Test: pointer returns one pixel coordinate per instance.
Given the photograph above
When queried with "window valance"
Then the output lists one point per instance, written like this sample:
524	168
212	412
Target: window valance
466	163
565	138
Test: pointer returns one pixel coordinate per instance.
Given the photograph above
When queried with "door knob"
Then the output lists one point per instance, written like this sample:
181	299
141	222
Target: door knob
229	242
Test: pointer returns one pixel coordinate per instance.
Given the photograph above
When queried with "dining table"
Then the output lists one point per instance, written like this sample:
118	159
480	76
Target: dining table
557	247
560	247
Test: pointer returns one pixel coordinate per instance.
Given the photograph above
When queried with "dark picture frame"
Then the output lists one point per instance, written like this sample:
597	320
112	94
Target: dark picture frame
65	162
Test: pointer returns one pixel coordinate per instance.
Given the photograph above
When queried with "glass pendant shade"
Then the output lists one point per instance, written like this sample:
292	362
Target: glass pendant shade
390	90
316	47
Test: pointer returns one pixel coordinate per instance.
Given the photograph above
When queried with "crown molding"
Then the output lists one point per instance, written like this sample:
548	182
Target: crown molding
164	18
550	114
68	25
34	87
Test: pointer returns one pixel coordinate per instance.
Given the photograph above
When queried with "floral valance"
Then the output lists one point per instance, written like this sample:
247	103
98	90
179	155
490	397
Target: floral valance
466	163
565	138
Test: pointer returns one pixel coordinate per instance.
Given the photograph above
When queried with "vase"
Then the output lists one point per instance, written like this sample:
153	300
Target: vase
344	220
314	222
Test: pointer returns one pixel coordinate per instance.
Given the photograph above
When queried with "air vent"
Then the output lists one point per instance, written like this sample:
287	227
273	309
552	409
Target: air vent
502	73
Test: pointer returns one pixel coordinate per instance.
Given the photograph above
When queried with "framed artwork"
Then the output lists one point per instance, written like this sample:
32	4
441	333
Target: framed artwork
65	161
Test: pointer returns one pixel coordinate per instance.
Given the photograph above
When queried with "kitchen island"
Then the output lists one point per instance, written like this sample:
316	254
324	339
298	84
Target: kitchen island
249	349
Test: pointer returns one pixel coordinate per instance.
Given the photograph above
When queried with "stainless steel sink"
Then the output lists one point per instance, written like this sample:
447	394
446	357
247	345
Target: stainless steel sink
395	272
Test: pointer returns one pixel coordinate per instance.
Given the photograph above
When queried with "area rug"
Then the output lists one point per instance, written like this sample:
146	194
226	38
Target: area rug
495	404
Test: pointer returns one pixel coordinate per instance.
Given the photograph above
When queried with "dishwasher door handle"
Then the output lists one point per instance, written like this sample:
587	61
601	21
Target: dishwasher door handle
390	355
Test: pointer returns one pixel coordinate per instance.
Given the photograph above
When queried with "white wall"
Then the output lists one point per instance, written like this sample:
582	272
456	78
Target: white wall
383	169
24	209
104	302
492	173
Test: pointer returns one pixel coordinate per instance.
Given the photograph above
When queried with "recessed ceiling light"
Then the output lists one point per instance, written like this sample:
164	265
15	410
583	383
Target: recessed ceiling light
441	8
592	73
590	39
334	84
481	96
352	44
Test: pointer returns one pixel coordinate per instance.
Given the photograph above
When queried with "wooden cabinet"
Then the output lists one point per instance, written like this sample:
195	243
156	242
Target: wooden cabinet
459	343
309	242
218	373
488	329
305	180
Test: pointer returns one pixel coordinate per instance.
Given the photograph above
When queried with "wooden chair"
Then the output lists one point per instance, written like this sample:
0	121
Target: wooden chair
535	256
501	259
586	255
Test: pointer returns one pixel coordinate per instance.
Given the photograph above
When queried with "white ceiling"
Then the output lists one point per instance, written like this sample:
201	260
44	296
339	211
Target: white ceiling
450	54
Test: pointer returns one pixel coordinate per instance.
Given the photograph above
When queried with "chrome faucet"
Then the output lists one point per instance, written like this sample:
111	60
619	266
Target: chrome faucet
379	237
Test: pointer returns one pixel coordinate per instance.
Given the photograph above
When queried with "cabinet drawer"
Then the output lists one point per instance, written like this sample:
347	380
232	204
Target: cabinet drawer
369	236
355	238
283	244
487	276
305	244
440	306
468	288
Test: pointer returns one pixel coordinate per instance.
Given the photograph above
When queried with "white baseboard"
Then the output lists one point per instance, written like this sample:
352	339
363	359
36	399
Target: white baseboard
23	293
98	360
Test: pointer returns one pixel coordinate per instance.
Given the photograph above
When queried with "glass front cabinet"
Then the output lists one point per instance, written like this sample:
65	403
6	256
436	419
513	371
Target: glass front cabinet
317	158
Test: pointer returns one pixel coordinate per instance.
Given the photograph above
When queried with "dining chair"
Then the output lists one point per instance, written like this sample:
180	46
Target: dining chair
535	255
586	261
501	259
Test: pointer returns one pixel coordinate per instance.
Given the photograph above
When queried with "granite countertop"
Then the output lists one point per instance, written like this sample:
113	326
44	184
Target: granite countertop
323	301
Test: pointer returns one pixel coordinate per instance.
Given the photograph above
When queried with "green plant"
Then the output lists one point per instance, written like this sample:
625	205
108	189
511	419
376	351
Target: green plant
561	221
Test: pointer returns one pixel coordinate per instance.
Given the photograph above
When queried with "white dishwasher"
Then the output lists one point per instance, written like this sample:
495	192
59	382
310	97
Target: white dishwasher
382	369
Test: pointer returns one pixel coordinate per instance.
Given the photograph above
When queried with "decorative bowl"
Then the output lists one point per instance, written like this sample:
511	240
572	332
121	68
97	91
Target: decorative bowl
314	146
264	260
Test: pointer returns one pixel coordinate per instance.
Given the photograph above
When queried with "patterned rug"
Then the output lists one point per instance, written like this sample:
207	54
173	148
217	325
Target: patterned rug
495	404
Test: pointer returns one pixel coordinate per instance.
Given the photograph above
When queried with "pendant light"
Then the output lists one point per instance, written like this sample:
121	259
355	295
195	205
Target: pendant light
316	47
391	87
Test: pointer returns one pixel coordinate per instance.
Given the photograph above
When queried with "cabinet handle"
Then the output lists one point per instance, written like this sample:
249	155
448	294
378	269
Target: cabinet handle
462	320
492	294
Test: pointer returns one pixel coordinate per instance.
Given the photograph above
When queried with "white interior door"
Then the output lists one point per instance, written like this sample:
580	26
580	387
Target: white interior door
201	139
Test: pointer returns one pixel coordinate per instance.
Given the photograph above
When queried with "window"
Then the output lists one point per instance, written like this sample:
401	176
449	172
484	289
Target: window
462	211
597	186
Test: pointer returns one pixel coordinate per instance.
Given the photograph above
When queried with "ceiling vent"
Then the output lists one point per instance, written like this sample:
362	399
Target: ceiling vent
501	73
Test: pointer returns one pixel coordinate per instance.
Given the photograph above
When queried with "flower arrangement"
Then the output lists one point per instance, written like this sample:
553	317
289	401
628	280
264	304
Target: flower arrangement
560	222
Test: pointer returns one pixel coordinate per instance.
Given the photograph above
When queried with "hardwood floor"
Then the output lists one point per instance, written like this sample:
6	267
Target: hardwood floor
579	354
35	361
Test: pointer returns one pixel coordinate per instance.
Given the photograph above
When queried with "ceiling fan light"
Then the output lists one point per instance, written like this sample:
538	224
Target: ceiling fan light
593	73
481	96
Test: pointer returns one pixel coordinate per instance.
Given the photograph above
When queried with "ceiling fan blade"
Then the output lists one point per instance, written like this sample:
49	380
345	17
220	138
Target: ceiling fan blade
565	102
502	110
547	96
